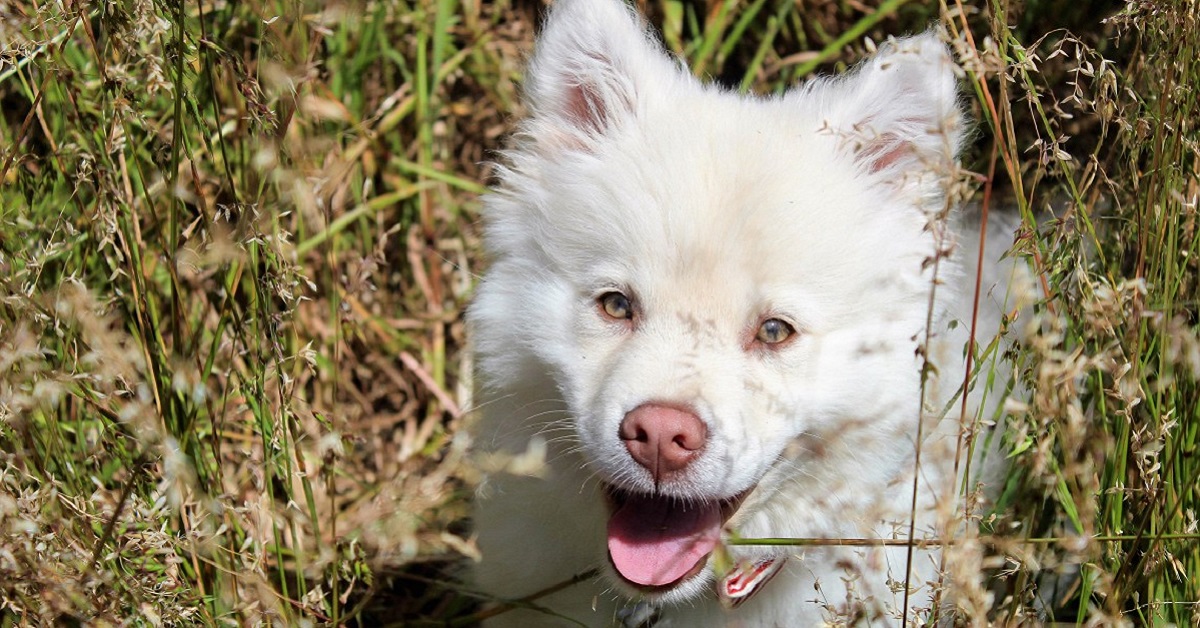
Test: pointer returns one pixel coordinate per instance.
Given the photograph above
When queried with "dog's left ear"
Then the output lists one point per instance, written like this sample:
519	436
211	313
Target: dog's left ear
898	112
594	65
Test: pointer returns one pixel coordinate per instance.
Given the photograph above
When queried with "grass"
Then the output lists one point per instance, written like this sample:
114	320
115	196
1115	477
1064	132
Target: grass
236	240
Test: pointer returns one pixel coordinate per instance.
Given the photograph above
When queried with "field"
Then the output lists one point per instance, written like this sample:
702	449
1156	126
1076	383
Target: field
236	240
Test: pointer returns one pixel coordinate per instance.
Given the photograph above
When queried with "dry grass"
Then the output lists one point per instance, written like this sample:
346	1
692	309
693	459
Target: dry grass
236	240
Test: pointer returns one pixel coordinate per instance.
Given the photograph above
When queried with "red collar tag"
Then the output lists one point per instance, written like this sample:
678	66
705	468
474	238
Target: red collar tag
746	578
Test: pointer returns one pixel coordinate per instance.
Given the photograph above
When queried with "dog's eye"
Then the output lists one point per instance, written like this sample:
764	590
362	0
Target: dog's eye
774	331
616	306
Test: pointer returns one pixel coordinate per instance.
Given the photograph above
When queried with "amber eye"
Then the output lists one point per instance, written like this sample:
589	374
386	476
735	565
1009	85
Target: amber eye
616	306
774	331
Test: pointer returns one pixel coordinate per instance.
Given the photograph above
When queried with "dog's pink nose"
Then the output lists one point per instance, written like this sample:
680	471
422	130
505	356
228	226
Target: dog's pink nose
663	439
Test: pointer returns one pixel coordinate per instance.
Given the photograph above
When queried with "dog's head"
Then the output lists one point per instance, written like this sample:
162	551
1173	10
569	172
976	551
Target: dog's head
729	291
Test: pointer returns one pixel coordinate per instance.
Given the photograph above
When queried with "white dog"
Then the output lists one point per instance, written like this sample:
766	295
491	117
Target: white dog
712	312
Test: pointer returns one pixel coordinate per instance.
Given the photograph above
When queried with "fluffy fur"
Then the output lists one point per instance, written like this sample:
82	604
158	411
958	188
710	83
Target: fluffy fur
713	212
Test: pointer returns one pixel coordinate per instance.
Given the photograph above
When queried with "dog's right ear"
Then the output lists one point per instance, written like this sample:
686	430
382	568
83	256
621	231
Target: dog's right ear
898	111
592	66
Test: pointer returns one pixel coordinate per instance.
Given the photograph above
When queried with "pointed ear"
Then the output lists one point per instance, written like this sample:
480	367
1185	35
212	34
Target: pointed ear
898	111
591	68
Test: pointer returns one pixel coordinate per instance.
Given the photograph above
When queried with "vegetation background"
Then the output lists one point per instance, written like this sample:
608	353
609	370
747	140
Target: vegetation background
236	239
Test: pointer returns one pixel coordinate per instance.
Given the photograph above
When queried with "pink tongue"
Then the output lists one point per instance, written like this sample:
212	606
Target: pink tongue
656	541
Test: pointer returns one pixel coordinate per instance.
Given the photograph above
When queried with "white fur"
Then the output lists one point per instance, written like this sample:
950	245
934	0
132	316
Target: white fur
716	210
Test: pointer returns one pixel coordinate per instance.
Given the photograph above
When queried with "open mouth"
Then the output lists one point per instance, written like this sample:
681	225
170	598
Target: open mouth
656	542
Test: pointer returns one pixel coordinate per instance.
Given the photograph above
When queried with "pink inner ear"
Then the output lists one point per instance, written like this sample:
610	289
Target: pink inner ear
585	108
884	151
594	95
